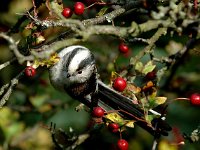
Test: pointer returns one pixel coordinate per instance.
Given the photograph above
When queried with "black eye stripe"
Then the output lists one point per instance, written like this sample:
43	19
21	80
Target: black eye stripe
86	62
70	56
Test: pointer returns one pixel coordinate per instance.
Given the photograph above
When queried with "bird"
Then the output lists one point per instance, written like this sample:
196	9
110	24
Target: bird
76	74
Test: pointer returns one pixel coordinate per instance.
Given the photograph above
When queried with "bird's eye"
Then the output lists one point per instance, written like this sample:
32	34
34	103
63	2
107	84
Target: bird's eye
80	71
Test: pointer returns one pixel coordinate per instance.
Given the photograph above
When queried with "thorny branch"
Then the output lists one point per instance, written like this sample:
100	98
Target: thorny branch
86	28
83	30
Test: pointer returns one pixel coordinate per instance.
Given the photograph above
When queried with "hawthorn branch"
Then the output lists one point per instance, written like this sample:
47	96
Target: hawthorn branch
13	47
7	89
134	30
7	63
107	17
149	47
73	24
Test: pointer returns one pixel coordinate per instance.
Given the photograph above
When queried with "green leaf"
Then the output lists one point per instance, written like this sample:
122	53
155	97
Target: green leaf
139	66
148	67
149	118
38	100
155	101
102	11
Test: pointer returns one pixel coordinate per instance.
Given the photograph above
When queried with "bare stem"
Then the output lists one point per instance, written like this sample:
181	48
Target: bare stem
155	143
7	63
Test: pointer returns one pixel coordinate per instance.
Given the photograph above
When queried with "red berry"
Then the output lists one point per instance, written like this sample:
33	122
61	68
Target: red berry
79	8
113	127
122	144
195	99
30	71
151	75
123	48
67	12
98	112
119	84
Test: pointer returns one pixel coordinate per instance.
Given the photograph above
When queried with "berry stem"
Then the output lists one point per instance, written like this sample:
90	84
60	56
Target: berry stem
102	4
182	98
120	134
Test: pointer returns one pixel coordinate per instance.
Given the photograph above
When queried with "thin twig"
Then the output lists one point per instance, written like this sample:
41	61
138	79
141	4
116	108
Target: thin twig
149	47
7	63
13	47
7	89
155	143
73	24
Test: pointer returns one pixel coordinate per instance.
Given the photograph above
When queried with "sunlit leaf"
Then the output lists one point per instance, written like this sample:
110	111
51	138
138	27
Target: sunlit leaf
114	75
116	118
160	100
47	62
149	118
102	11
148	67
155	101
139	66
130	124
133	88
144	69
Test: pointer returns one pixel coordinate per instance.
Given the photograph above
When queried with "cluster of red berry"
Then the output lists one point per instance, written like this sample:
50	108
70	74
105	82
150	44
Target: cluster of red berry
119	84
122	144
78	10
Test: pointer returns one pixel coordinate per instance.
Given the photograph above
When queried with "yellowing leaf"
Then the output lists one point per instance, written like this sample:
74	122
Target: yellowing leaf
139	66
130	124
115	117
160	100
47	62
114	75
133	88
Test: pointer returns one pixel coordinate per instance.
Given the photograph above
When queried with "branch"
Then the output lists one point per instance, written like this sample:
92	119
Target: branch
7	89
148	48
13	47
107	17
73	24
7	63
7	94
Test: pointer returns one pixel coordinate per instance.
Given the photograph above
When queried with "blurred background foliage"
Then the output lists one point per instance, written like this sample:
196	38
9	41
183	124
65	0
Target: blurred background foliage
35	103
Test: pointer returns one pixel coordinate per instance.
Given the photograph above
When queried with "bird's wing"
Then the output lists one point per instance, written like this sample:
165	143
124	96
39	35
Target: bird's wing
110	99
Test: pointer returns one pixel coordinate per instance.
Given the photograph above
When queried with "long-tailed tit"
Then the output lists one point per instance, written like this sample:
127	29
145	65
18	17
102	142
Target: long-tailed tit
76	74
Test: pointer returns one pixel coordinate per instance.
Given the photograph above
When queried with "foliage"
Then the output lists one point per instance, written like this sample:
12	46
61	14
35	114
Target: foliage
161	68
